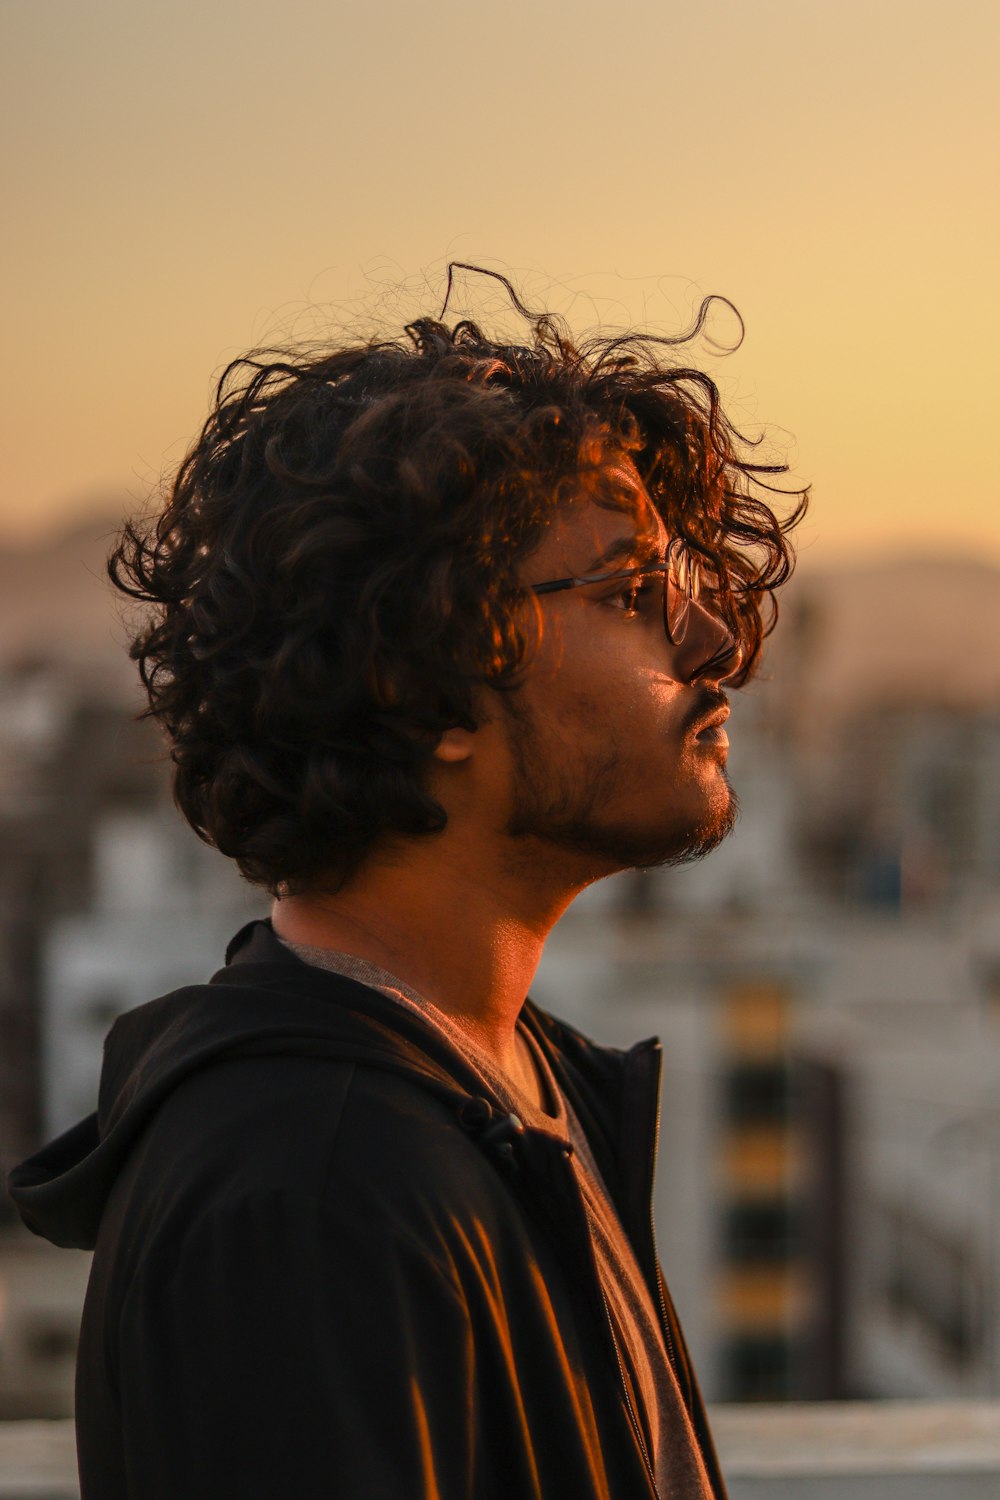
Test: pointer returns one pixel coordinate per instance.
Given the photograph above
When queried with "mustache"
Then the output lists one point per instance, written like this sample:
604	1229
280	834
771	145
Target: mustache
708	702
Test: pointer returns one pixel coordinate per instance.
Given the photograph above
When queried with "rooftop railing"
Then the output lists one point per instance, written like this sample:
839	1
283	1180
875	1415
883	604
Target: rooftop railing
886	1450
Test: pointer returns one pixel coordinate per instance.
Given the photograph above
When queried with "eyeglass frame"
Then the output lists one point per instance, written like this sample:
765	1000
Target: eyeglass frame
679	556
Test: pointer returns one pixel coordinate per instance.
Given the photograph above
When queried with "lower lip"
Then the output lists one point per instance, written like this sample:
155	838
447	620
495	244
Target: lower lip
714	735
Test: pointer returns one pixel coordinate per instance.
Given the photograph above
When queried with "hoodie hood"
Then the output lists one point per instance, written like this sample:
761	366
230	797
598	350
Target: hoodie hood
267	1002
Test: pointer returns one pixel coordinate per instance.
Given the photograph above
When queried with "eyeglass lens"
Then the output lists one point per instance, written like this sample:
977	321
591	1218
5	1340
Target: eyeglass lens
680	586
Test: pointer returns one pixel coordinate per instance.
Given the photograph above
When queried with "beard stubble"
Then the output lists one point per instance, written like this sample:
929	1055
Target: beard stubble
565	806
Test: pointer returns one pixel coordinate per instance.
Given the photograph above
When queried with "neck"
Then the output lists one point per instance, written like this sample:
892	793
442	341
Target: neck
460	930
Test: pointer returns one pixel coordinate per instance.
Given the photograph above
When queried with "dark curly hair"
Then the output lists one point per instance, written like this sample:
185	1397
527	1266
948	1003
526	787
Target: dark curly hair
334	574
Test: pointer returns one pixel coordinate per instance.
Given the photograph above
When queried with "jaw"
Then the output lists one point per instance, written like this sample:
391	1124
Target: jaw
586	827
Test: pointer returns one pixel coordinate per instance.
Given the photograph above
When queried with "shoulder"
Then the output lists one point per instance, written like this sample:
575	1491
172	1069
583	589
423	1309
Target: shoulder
357	1140
293	1123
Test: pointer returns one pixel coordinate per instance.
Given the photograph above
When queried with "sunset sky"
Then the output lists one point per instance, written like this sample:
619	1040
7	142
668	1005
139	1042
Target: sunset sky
184	179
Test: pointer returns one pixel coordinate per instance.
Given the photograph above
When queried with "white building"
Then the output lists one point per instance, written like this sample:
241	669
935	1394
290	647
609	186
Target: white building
164	908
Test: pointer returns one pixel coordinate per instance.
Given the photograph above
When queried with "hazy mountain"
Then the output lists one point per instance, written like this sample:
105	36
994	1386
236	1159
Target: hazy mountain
56	604
909	632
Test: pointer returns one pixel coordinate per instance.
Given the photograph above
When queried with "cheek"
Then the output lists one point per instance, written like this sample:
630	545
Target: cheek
620	711
604	687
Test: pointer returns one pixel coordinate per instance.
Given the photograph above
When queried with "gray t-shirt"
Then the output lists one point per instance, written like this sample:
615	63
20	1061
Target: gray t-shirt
677	1461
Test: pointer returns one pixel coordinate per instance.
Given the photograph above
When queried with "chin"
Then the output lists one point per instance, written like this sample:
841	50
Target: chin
704	832
646	847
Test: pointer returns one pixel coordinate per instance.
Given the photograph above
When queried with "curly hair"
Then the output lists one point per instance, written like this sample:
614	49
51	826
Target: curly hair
335	572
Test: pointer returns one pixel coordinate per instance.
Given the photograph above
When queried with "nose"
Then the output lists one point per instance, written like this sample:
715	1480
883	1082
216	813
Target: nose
709	651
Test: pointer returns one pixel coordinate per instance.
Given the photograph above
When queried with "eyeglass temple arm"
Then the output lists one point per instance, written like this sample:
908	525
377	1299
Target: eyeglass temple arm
576	583
557	586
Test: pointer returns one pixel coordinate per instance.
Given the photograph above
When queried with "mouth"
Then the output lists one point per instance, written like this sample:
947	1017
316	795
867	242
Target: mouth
711	731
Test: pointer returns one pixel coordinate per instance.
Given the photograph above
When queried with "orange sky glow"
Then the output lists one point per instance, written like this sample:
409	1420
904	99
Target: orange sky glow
182	181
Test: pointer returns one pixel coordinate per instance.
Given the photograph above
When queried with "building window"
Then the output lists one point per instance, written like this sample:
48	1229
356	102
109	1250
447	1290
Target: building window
756	1367
760	1232
756	1093
934	1281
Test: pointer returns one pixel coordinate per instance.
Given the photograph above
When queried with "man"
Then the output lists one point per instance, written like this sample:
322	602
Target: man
439	636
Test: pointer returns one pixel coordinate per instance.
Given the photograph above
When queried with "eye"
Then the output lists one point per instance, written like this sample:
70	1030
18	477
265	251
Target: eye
635	595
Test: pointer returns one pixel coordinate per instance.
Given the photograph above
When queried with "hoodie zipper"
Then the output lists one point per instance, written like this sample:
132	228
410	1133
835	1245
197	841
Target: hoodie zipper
636	1427
668	1337
650	1154
646	1140
665	1322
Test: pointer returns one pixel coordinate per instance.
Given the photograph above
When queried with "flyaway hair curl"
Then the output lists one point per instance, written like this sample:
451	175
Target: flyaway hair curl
334	575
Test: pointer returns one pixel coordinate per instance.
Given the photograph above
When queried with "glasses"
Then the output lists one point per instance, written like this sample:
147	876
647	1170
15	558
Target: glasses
682	583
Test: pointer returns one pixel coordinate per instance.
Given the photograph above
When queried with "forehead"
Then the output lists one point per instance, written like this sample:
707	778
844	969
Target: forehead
612	508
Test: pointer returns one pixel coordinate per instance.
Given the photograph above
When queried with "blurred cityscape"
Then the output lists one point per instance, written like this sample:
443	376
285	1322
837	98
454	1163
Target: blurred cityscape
826	985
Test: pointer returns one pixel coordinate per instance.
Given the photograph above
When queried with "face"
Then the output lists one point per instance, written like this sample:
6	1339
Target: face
616	749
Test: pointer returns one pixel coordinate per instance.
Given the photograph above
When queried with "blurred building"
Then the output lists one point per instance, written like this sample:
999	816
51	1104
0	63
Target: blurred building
70	755
106	899
907	1021
163	907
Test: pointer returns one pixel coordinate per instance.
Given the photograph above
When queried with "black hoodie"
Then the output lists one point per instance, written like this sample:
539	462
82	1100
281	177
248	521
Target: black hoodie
329	1264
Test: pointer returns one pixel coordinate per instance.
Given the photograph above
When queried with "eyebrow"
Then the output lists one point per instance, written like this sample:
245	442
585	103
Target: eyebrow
627	549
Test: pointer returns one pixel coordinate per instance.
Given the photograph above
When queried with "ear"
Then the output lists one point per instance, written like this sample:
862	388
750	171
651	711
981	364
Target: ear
454	746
